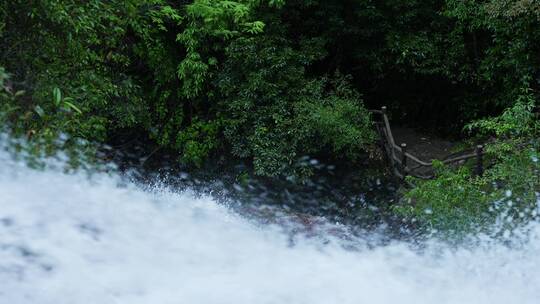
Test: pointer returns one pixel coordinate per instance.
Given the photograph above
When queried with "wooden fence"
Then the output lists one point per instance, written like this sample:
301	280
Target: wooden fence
405	164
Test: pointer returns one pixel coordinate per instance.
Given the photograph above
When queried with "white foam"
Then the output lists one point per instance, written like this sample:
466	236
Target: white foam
68	239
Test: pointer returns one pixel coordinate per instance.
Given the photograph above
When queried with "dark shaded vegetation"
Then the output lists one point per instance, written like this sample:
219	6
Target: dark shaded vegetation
270	83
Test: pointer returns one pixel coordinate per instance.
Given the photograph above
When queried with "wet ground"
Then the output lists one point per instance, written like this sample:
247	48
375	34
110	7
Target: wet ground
424	146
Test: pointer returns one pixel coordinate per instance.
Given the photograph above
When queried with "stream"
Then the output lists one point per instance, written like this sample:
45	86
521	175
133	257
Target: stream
74	238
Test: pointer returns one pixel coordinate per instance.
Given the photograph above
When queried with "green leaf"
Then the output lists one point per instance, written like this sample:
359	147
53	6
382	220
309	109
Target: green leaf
68	104
39	110
57	96
19	93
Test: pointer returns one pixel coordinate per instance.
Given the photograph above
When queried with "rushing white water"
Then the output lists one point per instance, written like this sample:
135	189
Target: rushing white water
70	239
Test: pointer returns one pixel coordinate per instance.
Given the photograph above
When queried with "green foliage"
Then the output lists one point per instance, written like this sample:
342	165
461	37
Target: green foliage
78	48
502	46
454	202
181	74
8	98
39	132
507	193
210	24
518	120
198	141
276	114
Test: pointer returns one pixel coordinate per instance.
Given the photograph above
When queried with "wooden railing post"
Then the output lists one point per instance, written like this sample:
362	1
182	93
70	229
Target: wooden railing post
402	170
404	159
389	135
479	160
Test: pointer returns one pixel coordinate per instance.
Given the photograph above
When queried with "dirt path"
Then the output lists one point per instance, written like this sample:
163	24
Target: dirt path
426	147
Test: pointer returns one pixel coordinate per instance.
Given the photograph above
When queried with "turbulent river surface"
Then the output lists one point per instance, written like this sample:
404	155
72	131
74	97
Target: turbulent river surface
68	238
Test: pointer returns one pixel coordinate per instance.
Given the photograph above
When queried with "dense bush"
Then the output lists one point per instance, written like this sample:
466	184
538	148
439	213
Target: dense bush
198	79
275	114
